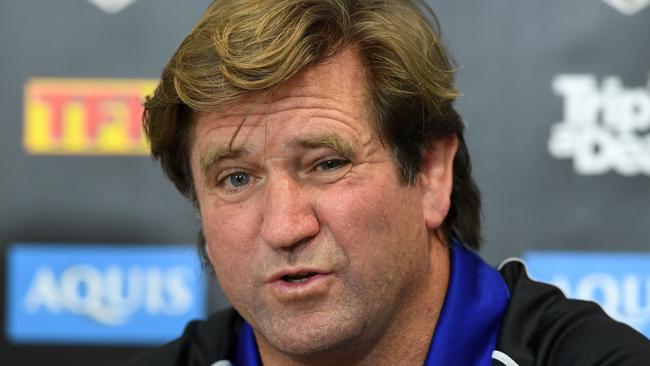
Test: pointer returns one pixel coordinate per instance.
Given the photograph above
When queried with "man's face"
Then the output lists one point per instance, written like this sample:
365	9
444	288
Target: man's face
312	236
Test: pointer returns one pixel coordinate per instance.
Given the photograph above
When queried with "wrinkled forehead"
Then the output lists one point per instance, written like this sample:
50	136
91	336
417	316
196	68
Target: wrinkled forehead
339	77
336	87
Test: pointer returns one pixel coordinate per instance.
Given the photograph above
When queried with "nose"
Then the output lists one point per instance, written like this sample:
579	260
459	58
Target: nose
288	213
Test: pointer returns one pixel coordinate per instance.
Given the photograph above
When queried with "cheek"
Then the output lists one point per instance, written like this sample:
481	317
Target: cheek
385	239
228	228
376	224
230	236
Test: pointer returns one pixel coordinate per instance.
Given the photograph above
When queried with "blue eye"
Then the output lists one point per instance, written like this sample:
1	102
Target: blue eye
238	179
331	164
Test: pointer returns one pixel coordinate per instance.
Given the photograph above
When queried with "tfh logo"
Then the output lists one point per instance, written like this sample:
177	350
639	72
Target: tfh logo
85	116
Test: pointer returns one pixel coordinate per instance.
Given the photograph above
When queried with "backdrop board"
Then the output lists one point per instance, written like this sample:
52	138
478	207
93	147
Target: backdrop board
556	98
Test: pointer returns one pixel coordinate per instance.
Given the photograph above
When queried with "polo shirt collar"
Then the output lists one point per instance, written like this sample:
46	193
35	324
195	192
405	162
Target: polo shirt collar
469	324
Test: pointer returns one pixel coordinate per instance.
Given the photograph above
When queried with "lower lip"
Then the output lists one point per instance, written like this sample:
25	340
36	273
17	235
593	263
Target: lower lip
313	286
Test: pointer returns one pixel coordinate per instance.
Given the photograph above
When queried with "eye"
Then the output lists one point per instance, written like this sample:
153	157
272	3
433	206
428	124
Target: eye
235	181
330	164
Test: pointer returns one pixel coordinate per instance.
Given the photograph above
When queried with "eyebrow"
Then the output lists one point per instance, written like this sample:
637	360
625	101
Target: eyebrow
331	141
218	153
334	142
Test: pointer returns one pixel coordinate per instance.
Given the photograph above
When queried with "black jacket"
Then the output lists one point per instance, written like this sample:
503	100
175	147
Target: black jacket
541	327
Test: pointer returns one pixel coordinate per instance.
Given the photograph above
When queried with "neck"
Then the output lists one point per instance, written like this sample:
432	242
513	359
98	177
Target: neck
406	337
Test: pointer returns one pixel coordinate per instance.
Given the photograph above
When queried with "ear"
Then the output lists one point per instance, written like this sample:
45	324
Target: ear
436	179
204	243
208	253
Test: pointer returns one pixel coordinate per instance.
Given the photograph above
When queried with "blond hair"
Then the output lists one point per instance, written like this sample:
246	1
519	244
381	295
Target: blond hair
239	47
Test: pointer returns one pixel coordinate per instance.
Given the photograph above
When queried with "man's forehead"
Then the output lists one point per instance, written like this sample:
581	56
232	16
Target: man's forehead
344	71
334	89
342	74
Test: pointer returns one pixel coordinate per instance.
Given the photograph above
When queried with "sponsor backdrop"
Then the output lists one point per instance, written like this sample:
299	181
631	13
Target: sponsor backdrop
97	247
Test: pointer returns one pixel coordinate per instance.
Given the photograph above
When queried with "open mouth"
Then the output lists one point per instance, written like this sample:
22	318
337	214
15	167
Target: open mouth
298	277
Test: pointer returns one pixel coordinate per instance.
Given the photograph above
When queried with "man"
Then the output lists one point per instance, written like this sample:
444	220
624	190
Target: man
319	142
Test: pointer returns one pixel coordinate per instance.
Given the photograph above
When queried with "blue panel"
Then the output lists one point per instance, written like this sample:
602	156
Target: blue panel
102	293
619	282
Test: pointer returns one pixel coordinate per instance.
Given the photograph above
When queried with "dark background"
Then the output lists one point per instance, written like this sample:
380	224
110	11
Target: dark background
508	51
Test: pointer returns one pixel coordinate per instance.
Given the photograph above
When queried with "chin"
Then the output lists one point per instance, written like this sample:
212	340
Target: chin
312	334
